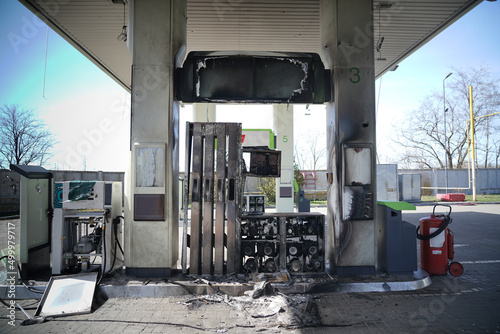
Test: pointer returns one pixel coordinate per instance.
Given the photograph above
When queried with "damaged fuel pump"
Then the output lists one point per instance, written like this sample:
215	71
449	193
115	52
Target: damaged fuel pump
228	241
232	241
282	241
86	228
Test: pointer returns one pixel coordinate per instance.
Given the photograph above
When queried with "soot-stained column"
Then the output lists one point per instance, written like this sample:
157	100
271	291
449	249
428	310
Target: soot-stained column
347	49
156	40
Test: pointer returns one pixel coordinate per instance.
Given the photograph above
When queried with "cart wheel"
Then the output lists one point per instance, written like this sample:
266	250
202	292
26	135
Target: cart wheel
456	269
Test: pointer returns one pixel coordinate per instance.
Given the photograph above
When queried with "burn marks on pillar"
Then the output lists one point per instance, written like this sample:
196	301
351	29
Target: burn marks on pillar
358	199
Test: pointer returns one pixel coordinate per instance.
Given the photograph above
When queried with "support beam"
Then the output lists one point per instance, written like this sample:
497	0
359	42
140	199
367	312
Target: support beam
347	48
283	125
157	36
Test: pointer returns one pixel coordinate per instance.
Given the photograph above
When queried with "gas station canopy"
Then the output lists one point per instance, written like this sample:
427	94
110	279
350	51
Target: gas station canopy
400	27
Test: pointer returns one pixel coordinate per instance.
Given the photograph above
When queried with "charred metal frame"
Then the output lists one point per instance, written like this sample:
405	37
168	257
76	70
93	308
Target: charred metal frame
266	77
214	244
274	242
234	242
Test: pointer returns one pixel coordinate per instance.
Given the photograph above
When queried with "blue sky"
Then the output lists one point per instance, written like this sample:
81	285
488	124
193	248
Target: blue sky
78	101
472	41
89	112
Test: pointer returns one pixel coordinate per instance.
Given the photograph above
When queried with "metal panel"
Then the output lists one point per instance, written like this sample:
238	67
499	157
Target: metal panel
149	207
415	186
196	198
396	243
187	183
409	187
282	241
289	77
208	200
234	171
227	137
220	206
387	182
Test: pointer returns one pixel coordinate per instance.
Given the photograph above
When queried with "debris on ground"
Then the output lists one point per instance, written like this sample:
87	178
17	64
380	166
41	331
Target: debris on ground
260	289
275	310
194	303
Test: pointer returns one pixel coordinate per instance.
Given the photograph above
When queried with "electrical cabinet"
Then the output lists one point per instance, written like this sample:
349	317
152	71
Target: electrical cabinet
35	219
397	243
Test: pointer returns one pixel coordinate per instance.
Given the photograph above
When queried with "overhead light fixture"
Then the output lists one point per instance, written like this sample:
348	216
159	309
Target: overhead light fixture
394	68
384	5
379	43
380	38
123	35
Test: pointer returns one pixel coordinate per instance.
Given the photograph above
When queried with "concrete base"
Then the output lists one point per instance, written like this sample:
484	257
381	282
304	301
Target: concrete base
345	271
148	272
319	284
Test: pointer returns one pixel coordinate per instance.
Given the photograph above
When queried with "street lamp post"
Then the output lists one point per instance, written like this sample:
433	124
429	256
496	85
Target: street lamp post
445	139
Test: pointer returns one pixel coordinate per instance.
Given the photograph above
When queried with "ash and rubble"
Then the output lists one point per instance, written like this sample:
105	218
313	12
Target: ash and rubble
263	306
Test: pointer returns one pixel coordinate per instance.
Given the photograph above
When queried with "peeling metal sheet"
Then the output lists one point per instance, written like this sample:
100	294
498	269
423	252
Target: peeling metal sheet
268	77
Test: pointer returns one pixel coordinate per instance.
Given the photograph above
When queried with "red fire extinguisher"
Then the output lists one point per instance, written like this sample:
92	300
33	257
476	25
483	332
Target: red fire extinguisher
436	245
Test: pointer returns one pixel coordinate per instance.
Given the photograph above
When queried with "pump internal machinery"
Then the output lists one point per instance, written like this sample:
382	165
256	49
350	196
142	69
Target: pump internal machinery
87	226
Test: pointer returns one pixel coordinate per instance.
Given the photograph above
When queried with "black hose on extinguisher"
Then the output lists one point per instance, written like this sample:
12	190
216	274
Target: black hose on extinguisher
446	221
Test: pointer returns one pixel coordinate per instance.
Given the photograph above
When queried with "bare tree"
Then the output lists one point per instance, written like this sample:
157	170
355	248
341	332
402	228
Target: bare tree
24	138
310	151
423	134
486	98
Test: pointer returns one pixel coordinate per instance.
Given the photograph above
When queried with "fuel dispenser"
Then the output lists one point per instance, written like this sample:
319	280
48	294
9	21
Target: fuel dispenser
87	229
436	245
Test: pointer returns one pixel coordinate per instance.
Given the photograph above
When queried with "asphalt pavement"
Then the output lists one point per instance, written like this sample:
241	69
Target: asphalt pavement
466	304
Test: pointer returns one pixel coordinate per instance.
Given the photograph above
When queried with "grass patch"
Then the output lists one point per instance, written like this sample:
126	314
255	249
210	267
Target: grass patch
468	198
318	202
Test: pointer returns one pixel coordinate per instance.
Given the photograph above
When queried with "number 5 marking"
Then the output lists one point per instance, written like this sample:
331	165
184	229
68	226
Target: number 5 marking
355	75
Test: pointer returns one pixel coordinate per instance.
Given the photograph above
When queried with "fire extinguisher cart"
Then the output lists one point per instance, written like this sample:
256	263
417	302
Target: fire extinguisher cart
436	244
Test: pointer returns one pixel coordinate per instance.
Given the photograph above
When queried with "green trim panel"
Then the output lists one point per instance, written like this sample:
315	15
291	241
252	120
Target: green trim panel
397	205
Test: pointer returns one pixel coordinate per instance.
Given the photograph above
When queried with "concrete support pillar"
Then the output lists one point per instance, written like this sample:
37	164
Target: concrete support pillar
203	112
157	37
283	125
348	50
